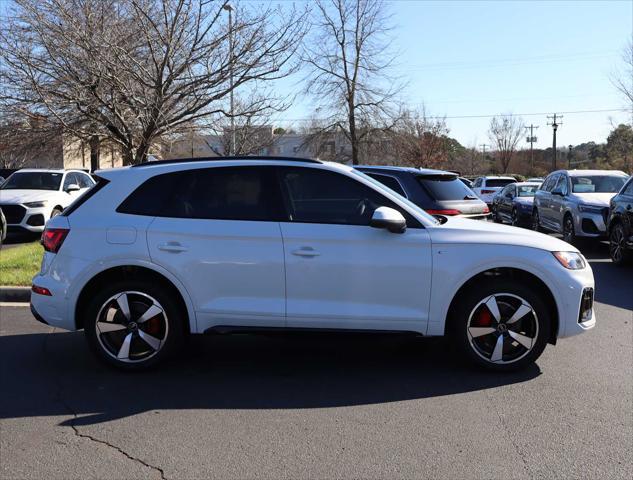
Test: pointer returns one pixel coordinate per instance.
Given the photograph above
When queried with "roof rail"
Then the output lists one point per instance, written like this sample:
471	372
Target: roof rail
237	157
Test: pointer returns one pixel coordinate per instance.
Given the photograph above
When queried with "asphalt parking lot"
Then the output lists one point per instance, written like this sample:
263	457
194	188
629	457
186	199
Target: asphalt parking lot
321	407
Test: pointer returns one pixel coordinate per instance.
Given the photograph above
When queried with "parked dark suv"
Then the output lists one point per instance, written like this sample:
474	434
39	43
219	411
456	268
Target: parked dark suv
436	191
620	225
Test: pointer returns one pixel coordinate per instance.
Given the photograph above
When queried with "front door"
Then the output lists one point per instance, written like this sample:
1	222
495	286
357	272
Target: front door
219	234
342	273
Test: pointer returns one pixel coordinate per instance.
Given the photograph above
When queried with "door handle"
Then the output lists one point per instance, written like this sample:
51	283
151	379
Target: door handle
172	247
306	252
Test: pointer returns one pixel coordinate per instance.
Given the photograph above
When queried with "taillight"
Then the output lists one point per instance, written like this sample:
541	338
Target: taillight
444	212
486	210
41	291
52	239
485	192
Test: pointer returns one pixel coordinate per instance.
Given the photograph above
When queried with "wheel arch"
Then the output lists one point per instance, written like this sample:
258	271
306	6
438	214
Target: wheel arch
514	274
130	272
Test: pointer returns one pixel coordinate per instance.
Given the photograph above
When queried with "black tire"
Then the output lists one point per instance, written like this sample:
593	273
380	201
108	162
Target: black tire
569	232
510	295
617	246
55	212
515	218
168	325
536	221
497	217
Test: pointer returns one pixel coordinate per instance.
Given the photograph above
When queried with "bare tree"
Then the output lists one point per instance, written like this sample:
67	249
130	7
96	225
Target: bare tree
623	80
419	140
134	70
348	63
504	134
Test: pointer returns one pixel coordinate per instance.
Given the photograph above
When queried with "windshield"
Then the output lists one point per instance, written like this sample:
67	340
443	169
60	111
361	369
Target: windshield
597	184
528	190
402	199
33	181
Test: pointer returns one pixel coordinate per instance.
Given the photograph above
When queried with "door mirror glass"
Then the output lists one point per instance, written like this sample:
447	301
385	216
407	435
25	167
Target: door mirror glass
392	220
73	187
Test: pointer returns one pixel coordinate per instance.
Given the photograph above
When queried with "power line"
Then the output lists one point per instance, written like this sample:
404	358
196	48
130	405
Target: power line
439	117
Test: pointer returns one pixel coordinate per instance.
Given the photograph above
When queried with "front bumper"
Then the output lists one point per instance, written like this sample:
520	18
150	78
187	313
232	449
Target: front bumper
570	303
33	220
591	225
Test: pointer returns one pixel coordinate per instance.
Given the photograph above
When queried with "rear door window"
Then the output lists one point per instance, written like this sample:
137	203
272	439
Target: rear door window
445	188
232	193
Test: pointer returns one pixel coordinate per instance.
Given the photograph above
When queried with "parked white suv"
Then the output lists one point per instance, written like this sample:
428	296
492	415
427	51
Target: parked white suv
159	251
487	187
29	197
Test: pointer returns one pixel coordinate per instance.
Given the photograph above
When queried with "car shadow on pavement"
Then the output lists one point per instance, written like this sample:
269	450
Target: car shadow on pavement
55	374
611	280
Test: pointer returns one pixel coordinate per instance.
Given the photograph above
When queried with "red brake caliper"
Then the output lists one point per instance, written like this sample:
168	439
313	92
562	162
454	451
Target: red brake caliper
483	318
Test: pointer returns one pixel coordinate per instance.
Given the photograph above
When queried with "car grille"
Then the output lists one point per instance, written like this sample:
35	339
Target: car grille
13	213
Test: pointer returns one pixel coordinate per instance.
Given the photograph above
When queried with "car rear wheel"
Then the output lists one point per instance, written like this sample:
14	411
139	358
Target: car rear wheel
134	324
502	325
617	245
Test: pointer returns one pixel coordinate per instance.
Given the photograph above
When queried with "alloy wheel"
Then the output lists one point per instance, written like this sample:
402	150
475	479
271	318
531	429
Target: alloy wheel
535	221
515	217
502	328
132	326
616	244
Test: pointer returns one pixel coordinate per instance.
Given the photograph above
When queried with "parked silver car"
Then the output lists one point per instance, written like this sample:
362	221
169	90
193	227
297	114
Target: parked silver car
576	202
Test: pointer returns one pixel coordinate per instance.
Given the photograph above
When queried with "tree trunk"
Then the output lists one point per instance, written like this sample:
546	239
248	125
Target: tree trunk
352	136
95	145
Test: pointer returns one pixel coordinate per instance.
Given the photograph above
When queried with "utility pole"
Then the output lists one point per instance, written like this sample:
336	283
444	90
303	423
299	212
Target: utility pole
555	124
231	46
569	157
483	151
531	140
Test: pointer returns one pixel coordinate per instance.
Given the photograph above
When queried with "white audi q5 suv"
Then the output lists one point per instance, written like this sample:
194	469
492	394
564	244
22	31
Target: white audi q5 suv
162	250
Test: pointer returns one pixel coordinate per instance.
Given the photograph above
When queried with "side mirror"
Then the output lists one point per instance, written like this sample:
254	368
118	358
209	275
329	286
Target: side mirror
557	191
73	187
392	220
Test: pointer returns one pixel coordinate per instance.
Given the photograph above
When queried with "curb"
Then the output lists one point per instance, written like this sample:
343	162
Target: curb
15	294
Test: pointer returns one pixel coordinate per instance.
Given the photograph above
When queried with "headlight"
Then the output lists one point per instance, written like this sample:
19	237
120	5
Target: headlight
41	203
590	208
570	260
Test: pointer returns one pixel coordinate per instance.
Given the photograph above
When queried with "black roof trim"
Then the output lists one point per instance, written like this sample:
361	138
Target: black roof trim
237	157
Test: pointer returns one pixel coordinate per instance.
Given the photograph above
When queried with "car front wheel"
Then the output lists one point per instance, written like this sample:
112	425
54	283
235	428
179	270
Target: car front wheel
536	221
133	324
501	326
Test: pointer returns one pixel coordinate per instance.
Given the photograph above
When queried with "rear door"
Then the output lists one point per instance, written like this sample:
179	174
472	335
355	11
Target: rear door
543	200
506	197
342	273
219	234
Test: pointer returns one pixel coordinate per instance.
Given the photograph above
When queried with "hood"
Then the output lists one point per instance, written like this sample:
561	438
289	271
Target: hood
461	230
25	196
601	199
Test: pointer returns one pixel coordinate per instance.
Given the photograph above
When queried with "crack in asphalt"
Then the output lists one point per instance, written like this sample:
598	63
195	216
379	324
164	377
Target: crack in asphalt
511	437
60	399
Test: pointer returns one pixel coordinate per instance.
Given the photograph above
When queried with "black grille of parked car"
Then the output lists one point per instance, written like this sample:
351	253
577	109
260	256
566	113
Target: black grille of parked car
586	305
13	213
36	220
588	226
